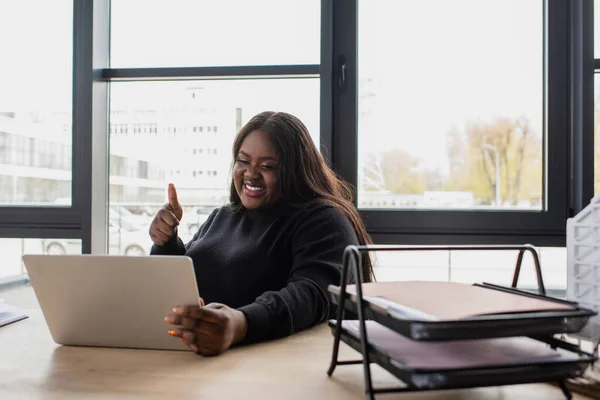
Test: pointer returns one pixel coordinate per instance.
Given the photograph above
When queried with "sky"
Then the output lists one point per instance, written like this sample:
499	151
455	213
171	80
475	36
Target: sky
433	64
36	53
438	64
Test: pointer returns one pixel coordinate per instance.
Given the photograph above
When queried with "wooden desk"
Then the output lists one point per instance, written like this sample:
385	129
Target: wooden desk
32	366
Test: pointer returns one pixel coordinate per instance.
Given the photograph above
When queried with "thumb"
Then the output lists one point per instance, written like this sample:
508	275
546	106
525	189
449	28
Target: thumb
173	201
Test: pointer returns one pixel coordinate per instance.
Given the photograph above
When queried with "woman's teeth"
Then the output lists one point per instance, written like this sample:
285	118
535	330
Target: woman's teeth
254	188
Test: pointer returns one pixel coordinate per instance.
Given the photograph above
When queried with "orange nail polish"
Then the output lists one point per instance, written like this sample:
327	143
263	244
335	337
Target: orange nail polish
182	340
172	332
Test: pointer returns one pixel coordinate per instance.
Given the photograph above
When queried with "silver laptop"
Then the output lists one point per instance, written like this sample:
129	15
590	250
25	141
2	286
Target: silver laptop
112	301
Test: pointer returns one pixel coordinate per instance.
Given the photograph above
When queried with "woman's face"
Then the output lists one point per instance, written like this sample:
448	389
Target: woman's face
255	171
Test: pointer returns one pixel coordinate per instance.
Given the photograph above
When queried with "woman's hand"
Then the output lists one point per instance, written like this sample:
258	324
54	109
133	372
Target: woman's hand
165	223
208	330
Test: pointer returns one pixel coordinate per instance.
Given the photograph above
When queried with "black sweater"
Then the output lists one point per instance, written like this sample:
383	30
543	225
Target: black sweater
273	265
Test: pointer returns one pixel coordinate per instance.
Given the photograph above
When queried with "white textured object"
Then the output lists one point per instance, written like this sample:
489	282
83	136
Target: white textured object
583	264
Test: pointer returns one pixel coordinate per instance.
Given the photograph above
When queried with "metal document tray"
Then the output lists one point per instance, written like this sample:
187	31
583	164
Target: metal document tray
568	362
420	326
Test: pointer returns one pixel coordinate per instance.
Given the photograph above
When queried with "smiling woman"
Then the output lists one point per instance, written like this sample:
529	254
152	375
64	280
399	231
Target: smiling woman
264	261
255	171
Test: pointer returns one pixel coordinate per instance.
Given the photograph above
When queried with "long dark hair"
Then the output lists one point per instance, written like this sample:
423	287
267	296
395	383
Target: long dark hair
303	175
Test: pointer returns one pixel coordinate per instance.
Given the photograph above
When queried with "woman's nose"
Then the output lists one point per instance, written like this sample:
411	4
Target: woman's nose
251	171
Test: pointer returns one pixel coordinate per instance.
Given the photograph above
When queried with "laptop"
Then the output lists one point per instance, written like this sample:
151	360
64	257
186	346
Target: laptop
112	301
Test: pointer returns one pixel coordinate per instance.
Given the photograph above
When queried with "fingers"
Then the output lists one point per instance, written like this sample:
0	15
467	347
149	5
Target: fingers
178	318
186	315
161	232
163	227
187	337
210	313
185	322
203	335
156	240
168	218
173	200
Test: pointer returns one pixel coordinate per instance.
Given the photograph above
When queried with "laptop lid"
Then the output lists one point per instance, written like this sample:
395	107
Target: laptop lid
112	301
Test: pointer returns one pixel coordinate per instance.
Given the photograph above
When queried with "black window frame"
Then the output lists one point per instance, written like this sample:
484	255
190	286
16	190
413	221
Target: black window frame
69	222
571	67
589	88
568	159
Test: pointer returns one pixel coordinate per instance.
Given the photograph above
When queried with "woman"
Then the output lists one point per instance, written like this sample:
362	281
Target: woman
264	261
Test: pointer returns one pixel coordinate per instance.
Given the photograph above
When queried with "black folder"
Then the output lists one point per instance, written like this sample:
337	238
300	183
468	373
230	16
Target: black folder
466	363
454	311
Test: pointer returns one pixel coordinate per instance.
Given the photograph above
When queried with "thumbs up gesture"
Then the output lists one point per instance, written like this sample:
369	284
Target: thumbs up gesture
164	225
174	205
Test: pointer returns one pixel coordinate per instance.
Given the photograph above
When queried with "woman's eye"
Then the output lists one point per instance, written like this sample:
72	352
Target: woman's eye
243	161
268	167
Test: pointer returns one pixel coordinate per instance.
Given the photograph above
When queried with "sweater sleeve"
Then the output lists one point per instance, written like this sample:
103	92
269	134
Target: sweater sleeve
175	246
318	244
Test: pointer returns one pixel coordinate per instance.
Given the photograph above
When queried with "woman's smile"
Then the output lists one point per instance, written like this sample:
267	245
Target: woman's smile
253	190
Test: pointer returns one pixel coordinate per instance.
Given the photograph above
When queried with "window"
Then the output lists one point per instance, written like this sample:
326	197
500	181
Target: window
34	108
597	98
208	27
452	133
391	91
43	179
13	250
249	96
472	141
597	131
474	267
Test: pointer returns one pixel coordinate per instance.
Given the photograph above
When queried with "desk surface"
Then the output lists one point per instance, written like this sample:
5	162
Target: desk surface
32	366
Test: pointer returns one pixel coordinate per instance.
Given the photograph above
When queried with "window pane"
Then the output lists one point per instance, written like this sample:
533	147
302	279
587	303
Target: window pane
451	109
182	132
13	250
474	267
597	135
156	33
596	29
35	102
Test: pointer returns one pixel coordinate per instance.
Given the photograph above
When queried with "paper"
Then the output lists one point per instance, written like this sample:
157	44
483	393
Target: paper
451	301
459	354
10	314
